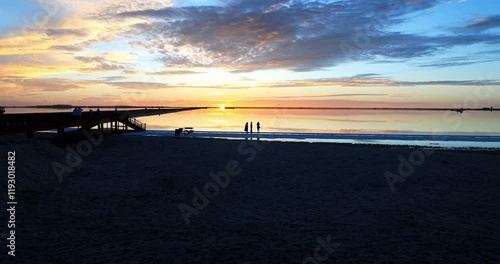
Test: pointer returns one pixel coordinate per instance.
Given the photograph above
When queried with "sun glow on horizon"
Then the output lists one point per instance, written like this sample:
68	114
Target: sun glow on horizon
109	53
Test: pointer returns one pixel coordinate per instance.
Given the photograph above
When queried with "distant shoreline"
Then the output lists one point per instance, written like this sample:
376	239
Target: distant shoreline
460	110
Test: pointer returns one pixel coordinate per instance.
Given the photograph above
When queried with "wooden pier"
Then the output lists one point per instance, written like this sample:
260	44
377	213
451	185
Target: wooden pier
111	120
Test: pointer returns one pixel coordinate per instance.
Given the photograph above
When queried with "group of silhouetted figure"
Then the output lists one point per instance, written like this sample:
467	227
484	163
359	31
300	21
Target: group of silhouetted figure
251	127
78	112
96	113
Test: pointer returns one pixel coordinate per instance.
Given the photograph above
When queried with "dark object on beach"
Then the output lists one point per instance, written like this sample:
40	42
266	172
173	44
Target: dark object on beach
258	126
251	127
246	127
98	112
188	131
2	110
178	132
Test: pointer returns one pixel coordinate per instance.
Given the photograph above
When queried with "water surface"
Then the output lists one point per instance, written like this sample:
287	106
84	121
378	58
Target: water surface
332	121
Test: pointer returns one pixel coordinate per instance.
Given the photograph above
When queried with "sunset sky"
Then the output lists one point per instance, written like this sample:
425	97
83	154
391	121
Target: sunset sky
379	53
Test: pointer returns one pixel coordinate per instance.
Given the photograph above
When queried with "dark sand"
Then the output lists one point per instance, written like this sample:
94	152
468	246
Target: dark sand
121	204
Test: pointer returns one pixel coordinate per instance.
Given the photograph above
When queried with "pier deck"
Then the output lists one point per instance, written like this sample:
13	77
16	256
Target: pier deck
123	119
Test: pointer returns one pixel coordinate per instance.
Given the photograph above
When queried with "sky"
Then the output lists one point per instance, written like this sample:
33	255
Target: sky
379	53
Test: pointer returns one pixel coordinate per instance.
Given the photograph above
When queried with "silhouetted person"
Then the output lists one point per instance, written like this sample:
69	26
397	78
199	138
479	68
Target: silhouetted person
258	127
98	112
246	127
251	127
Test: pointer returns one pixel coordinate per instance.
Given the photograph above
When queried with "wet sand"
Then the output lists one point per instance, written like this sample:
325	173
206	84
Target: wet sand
252	202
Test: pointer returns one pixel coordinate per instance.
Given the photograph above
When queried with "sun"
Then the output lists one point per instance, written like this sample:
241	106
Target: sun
222	107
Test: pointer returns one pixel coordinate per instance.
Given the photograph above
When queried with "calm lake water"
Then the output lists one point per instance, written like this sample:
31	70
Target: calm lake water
331	121
425	128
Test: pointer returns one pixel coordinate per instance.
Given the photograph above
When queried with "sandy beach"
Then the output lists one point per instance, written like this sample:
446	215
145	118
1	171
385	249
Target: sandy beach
131	199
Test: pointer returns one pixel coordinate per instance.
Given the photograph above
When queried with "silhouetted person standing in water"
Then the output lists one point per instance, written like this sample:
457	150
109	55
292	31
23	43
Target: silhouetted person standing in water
251	127
258	127
246	127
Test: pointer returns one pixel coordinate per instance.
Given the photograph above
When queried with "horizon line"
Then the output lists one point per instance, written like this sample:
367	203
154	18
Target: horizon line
67	106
